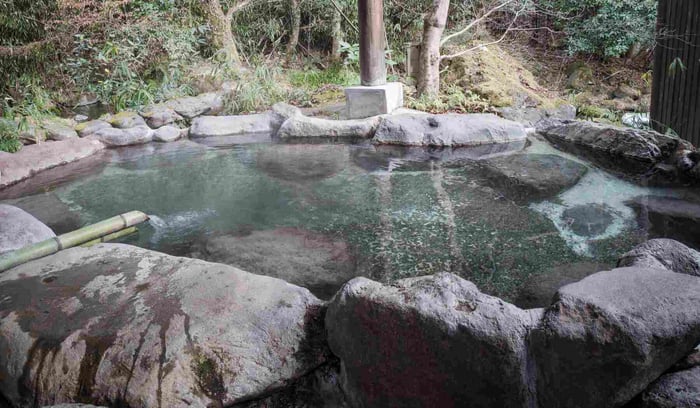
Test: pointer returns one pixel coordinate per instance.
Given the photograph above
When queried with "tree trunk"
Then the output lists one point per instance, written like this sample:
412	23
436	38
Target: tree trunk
429	63
221	35
295	17
336	34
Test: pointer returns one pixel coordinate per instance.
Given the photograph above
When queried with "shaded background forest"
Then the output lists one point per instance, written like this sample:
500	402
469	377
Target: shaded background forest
55	54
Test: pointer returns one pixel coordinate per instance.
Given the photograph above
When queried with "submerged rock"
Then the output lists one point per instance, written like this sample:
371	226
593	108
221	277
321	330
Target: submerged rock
119	323
664	217
211	126
663	254
300	126
588	220
526	177
629	151
305	258
448	130
18	229
125	137
301	163
539	290
434	341
50	210
608	336
33	159
680	389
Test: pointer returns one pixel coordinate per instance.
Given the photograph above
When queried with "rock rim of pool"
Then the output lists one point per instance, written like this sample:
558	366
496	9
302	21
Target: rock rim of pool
643	155
120	323
448	130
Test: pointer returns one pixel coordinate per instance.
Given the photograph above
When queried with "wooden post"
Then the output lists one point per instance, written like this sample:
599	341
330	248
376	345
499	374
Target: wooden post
372	63
675	100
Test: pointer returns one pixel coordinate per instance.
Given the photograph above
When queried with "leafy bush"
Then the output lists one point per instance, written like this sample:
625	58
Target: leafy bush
605	27
9	136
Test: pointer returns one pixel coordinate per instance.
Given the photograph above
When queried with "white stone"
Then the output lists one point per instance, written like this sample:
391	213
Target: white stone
366	101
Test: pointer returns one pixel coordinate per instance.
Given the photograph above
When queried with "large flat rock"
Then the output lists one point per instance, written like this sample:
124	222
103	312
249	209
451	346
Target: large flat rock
448	130
43	156
18	229
664	254
303	127
434	341
121	325
610	335
527	177
625	150
680	389
212	126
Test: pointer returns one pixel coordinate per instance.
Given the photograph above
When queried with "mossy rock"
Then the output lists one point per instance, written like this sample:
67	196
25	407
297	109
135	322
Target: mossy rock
580	77
499	78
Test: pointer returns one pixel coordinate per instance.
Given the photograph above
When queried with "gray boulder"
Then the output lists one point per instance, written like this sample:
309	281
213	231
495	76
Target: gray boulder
73	406
666	217
167	133
157	116
58	129
126	120
607	337
680	389
539	118
524	177
663	254
212	126
50	210
36	158
119	323
300	127
86	129
626	150
448	130
433	341
124	137
210	103
18	229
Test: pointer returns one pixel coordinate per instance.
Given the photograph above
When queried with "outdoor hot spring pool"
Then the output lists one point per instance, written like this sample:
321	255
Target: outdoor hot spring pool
317	215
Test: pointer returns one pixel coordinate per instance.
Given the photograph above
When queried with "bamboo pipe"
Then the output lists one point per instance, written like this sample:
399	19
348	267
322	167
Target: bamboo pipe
71	239
111	237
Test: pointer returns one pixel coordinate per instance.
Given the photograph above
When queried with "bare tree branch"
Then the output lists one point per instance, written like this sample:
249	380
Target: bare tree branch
475	22
503	37
236	8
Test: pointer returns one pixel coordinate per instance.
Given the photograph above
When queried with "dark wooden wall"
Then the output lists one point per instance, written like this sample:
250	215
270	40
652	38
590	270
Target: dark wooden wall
676	93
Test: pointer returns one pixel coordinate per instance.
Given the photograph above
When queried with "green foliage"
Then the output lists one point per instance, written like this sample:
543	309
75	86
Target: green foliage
9	136
314	79
452	98
257	92
594	112
22	21
605	27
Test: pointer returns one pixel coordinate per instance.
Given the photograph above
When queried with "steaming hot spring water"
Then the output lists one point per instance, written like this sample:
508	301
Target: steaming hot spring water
317	215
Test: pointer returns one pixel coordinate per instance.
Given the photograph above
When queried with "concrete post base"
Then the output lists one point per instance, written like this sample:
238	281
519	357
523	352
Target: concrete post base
365	101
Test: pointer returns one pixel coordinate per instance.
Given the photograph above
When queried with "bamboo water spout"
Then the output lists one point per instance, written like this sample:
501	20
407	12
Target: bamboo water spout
71	239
